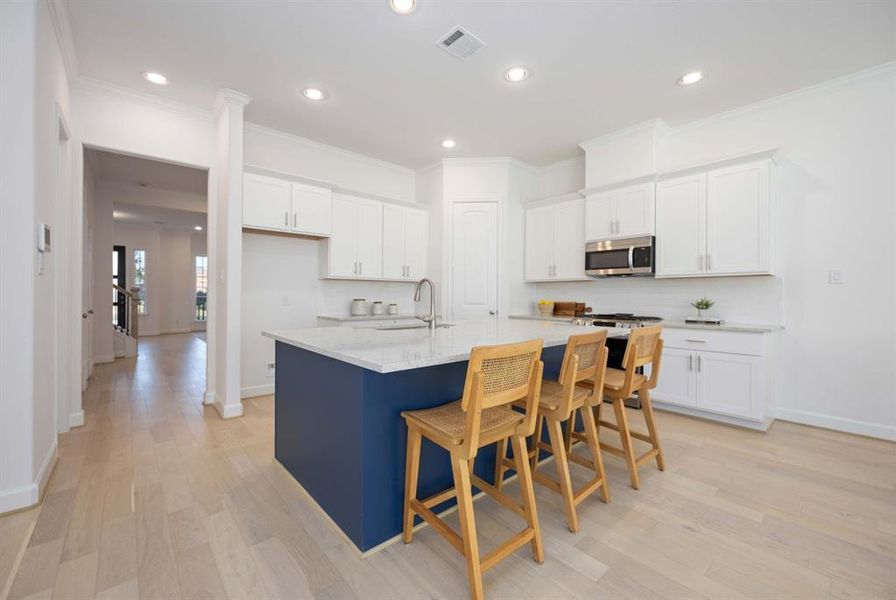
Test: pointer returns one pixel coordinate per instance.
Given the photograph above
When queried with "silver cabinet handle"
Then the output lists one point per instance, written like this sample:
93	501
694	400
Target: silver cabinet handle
702	263
631	257
618	227
695	340
699	363
690	362
286	219
295	220
355	267
360	268
709	262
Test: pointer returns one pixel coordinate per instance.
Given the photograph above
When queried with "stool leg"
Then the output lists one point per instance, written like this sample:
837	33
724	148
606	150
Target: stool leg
528	492
597	457
558	446
625	439
460	468
647	407
412	469
536	439
500	453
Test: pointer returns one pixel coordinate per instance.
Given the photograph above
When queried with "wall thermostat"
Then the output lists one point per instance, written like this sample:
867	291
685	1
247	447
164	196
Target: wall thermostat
43	237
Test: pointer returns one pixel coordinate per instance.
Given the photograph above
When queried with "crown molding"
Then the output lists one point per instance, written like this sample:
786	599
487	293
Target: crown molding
335	149
870	73
228	97
656	125
578	158
63	29
96	86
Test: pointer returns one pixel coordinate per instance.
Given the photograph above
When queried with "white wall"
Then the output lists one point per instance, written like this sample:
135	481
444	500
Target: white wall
562	177
34	84
836	209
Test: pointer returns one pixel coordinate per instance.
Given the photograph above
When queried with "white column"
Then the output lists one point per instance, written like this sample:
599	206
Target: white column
225	256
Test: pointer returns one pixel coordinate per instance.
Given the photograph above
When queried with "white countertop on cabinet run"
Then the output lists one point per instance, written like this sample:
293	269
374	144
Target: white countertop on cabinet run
350	318
745	327
387	351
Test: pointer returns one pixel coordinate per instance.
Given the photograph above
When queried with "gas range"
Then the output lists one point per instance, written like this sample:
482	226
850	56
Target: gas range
621	320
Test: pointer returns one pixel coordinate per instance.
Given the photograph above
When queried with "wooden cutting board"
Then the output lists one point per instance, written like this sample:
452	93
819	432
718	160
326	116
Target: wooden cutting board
569	309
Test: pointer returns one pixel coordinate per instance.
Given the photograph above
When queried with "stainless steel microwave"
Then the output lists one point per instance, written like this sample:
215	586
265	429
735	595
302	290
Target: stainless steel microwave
627	256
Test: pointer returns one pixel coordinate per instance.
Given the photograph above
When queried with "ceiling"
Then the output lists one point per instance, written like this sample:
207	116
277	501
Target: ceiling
157	217
393	94
132	170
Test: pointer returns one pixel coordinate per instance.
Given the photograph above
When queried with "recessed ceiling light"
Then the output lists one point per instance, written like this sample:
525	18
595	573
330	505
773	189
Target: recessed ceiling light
516	74
403	7
448	144
313	94
156	78
198	227
692	77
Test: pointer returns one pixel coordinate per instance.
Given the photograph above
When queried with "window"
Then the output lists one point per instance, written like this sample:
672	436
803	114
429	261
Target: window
140	280
201	287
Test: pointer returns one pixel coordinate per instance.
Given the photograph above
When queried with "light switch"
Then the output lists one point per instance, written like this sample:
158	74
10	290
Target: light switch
835	277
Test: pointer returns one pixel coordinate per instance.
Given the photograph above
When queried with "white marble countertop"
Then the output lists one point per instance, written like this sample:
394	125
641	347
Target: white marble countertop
401	350
672	324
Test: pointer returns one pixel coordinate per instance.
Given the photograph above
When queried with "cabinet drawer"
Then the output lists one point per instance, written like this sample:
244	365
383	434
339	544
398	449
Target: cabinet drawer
735	342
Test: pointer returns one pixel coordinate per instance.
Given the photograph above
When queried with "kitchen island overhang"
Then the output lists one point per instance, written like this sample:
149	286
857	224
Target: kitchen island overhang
338	398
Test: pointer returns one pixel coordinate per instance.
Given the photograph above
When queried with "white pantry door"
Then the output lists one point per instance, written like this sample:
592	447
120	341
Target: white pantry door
474	274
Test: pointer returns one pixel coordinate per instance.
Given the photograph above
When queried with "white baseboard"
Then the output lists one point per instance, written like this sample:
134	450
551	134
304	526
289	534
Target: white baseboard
152	333
257	390
103	359
29	495
209	398
178	330
76	419
884	432
710	416
229	411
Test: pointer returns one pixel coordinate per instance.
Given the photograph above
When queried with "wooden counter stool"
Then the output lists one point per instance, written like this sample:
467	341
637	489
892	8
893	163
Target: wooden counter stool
645	347
585	360
497	377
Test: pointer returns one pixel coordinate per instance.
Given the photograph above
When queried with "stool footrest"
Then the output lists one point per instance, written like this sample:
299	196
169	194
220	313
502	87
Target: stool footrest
646	456
587	489
612	449
498	495
437	499
506	549
439	525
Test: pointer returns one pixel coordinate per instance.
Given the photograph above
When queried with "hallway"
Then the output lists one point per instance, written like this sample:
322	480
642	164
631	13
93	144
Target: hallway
158	497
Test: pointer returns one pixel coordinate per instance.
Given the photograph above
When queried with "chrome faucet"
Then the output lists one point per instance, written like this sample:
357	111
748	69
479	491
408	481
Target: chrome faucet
431	318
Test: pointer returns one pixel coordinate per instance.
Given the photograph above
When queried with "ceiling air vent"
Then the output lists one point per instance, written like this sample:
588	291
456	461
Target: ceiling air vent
460	43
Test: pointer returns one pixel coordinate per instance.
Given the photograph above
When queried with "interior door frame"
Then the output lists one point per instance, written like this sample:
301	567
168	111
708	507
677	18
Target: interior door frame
448	295
67	285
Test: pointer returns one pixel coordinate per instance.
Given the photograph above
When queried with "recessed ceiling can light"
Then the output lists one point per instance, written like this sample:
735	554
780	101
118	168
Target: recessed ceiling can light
516	74
313	94
403	7
448	144
198	227
156	78
692	77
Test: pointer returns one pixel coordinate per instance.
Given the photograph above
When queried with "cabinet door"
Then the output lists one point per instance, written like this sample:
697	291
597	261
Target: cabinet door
634	210
266	202
569	240
312	210
599	216
737	219
539	243
370	239
394	232
342	245
416	254
730	384
677	380
680	226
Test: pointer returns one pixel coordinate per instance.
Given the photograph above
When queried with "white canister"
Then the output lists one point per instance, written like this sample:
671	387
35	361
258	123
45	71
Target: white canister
393	309
378	308
359	307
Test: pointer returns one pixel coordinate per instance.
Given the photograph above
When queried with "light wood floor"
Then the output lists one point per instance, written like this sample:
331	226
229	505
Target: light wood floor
157	497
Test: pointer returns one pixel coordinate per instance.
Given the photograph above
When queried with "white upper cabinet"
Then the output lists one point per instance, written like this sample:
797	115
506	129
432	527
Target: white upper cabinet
311	210
280	205
355	247
680	229
405	242
555	241
619	213
266	202
715	223
738	236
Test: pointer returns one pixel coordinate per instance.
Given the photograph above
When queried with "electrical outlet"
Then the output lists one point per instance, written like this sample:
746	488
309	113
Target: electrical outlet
835	277
270	369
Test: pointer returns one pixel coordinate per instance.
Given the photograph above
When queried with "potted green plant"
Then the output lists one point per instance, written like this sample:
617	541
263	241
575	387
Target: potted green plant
702	304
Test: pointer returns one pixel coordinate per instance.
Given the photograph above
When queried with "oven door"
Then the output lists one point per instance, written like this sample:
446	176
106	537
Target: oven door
630	256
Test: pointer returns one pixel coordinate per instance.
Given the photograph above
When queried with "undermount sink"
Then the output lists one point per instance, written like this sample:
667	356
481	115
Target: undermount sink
411	326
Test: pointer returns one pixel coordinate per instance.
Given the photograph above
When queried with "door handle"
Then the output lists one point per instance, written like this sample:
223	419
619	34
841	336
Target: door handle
83	315
90	311
492	312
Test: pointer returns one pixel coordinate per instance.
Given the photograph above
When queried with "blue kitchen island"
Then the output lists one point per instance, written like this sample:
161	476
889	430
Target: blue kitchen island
339	393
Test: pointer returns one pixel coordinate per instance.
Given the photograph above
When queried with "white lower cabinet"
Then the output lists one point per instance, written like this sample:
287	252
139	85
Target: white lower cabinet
716	373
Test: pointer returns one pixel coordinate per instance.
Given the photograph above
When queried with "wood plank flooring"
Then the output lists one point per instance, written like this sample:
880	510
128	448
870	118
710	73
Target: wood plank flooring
157	497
